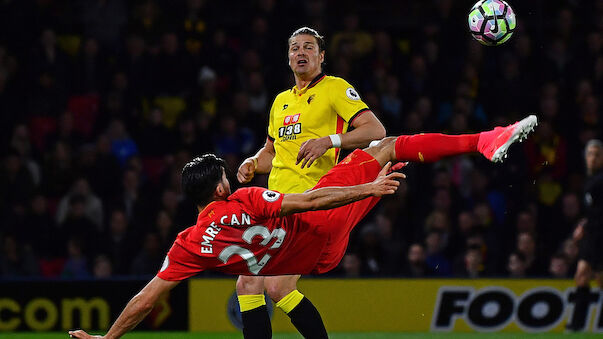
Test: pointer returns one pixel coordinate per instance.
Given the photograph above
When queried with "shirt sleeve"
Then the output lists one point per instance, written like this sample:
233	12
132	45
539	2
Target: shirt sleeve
179	264
259	202
345	100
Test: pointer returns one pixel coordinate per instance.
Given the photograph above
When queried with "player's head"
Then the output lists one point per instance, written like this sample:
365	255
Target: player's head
306	50
204	179
593	154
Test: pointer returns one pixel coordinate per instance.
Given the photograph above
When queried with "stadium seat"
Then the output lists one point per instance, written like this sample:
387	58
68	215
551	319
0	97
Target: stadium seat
85	110
40	127
153	168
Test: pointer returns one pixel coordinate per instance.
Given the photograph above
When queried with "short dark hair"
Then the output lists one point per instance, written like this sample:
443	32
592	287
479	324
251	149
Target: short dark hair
309	31
201	176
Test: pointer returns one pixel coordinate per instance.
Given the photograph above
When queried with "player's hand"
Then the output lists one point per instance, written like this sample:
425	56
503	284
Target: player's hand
246	171
398	166
387	183
83	335
579	231
312	149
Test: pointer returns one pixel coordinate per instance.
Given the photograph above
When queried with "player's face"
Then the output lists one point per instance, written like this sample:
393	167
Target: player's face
594	159
305	58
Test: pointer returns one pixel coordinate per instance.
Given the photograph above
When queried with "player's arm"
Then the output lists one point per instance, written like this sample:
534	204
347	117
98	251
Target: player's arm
331	197
366	129
135	311
260	163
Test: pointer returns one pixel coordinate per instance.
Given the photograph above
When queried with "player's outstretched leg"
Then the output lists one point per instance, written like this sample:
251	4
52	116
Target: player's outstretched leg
431	147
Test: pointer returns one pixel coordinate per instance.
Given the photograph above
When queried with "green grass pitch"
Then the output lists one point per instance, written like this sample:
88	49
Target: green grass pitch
366	335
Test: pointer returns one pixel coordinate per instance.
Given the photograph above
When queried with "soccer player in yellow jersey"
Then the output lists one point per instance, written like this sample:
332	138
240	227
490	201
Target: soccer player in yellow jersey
307	128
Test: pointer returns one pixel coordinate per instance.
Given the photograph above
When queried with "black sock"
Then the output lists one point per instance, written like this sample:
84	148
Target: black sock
581	302
256	323
307	320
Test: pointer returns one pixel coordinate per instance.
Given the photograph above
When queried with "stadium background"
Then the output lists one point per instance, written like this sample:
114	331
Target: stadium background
103	101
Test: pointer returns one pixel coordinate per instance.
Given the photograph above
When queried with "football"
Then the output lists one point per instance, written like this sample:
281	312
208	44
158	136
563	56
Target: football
492	22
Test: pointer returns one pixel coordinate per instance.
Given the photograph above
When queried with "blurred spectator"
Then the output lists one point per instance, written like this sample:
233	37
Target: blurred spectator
233	141
352	42
16	182
165	230
122	145
76	223
391	104
558	267
517	265
569	248
20	142
65	131
90	68
146	20
100	167
416	266
16	261
532	260
93	206
47	58
352	266
102	268
76	266
148	260
436	259
137	65
474	263
172	75
118	243
58	170
103	20
155	139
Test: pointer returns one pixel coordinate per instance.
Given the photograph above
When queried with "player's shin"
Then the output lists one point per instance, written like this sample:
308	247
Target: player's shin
431	147
304	316
256	321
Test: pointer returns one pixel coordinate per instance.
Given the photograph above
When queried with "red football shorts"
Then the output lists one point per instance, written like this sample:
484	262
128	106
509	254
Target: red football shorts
357	168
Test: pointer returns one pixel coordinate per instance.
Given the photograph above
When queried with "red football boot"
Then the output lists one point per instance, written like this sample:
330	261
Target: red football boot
494	144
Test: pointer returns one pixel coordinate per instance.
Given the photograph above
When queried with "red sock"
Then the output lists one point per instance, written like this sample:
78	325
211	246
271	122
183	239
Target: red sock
432	147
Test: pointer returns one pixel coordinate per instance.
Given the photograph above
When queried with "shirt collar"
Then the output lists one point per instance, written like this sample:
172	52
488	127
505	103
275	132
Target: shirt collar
312	83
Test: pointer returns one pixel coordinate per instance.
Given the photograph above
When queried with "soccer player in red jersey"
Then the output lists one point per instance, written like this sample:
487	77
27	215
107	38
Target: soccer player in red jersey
255	231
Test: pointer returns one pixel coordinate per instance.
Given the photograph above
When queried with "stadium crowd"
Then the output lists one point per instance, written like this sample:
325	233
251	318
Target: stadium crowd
103	101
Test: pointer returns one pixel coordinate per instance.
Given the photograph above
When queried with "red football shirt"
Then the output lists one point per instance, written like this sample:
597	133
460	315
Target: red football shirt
243	235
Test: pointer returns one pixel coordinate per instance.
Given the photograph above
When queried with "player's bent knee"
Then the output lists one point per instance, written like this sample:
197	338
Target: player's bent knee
277	289
250	285
385	145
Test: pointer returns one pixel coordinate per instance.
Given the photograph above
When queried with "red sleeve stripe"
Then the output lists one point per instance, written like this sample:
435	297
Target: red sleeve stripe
339	130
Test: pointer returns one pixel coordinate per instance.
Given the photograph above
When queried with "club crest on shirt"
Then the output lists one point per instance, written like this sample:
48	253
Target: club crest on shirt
352	94
270	196
311	98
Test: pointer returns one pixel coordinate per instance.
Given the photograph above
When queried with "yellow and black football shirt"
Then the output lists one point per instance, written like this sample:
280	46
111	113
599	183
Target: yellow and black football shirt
327	105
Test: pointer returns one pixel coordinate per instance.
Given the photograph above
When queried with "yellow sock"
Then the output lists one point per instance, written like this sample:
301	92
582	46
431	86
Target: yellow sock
288	303
251	301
